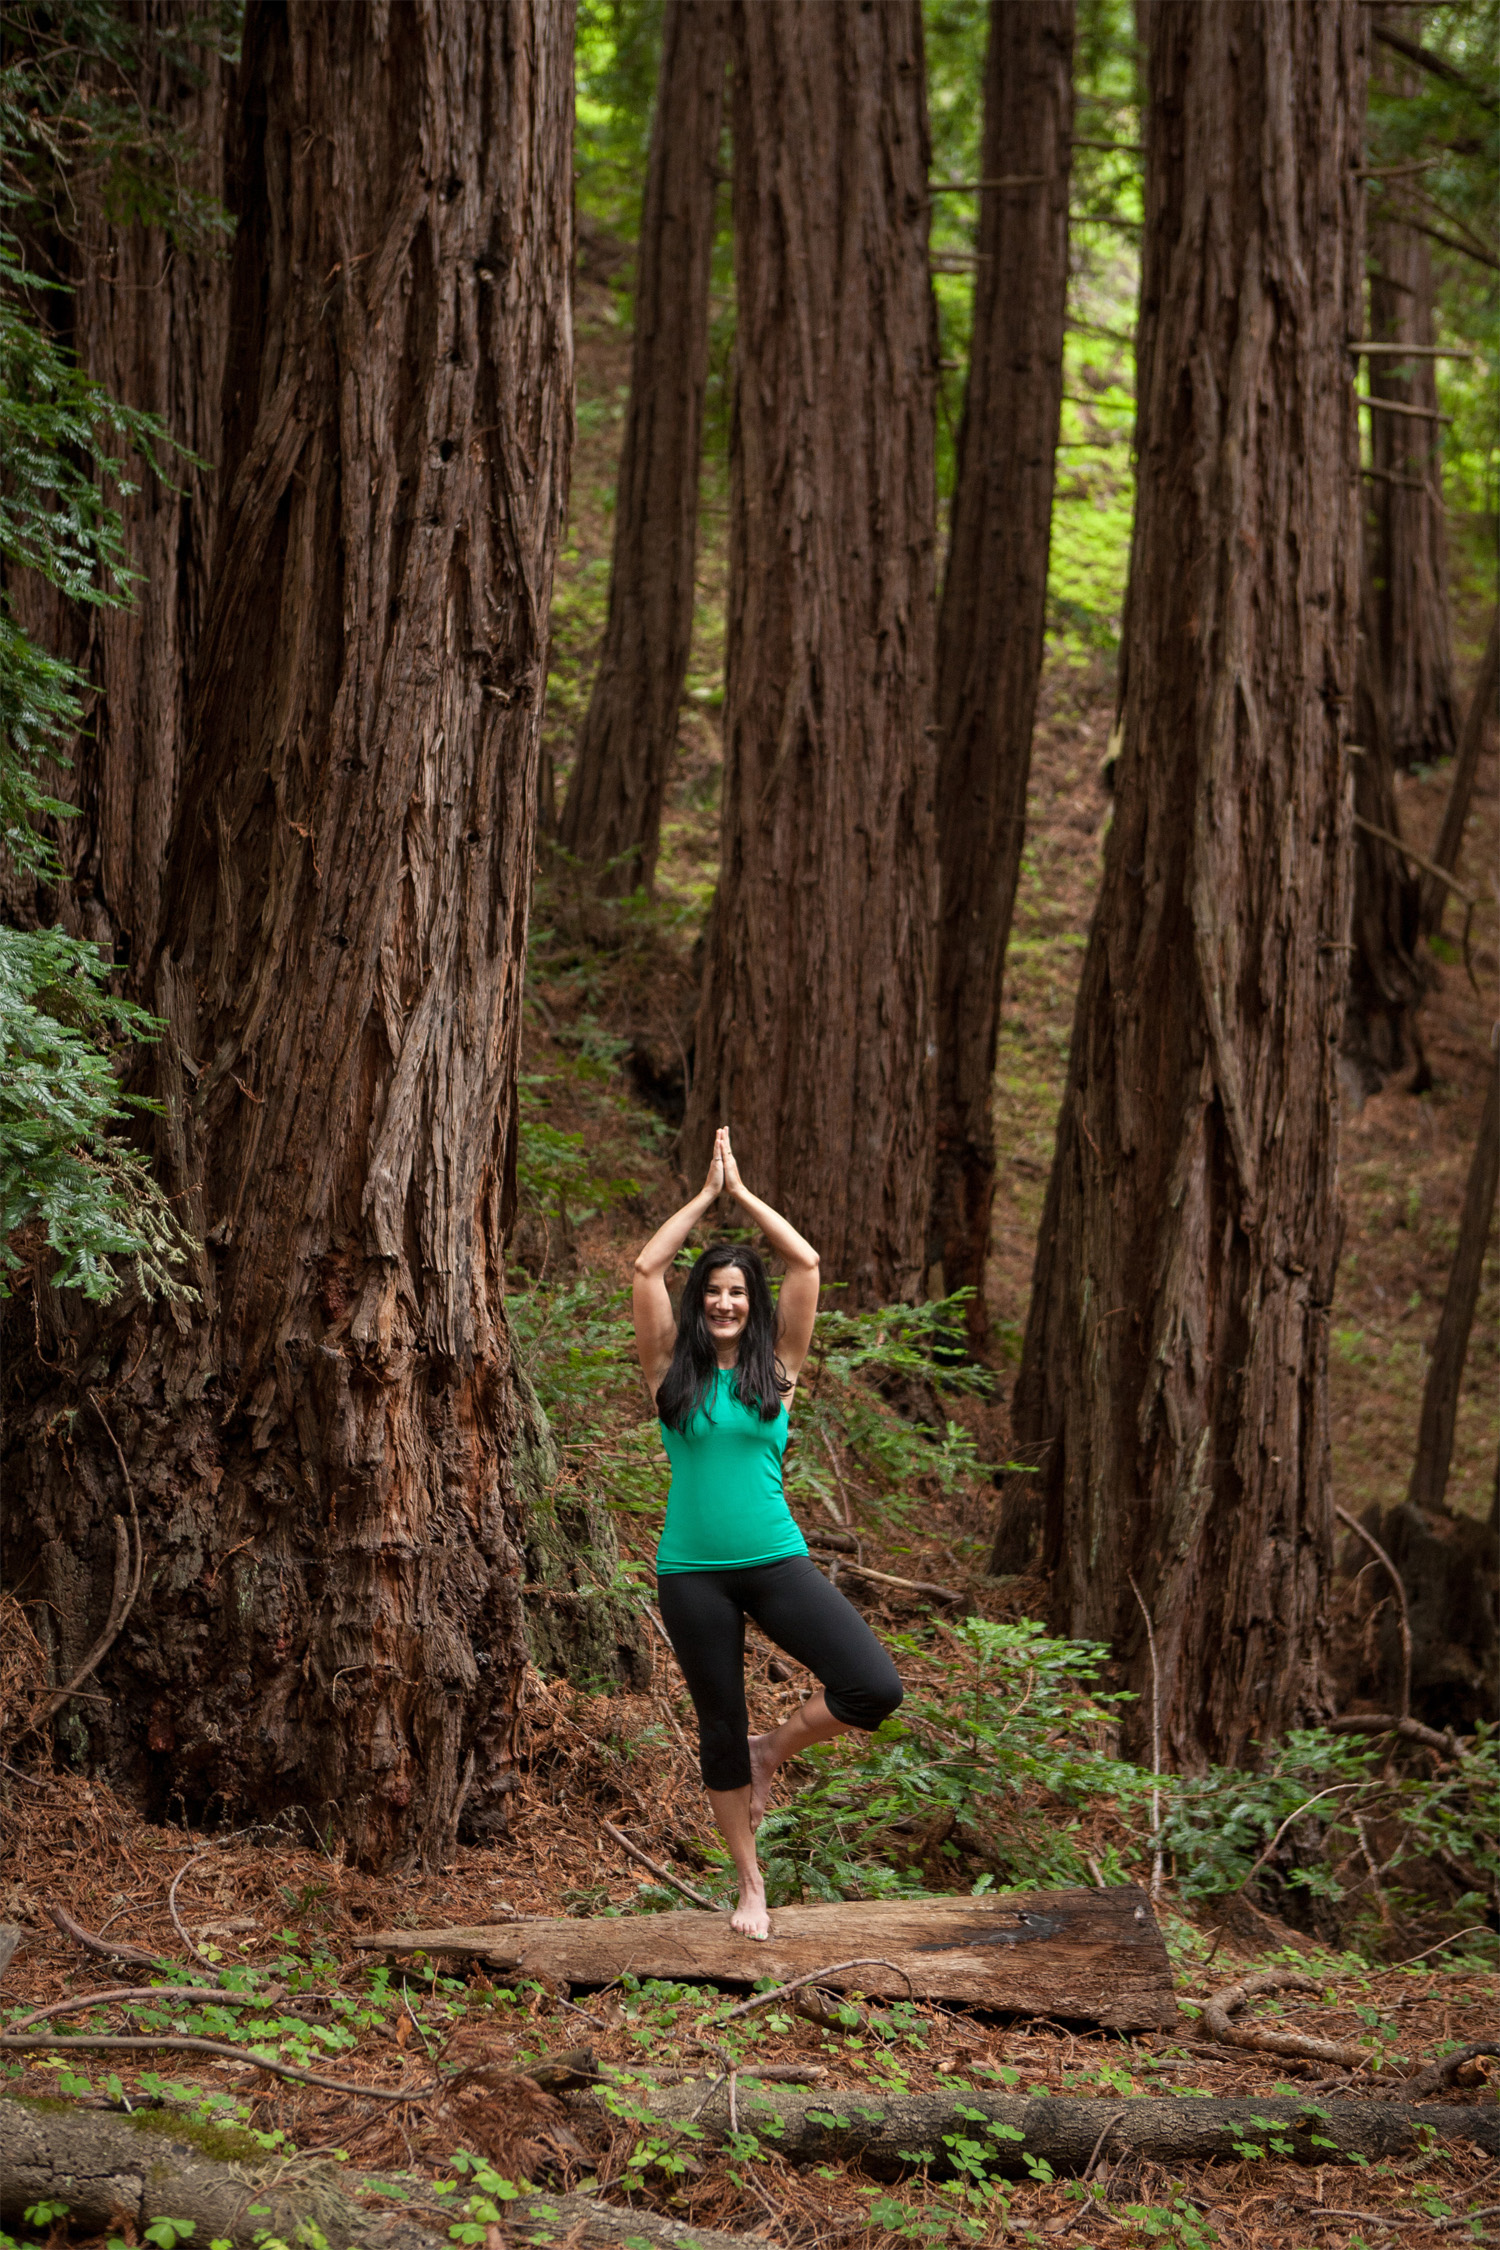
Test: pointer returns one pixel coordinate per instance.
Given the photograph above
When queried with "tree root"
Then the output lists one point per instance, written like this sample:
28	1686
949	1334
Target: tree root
1266	2039
880	2133
108	2169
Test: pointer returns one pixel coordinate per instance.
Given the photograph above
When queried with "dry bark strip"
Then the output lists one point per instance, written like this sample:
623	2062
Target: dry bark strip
108	2169
880	2135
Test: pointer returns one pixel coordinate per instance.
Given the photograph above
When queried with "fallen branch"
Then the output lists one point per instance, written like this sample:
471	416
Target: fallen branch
11	1934
662	1874
1441	2073
177	1922
1265	2039
1410	1730
814	1976
181	2043
907	1585
156	1992
885	2134
100	1947
108	2168
1352	1523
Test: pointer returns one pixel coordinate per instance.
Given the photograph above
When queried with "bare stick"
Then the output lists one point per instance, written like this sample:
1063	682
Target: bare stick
1156	1854
1221	2005
780	1991
838	1478
126	1586
1394	1574
177	1922
662	1874
122	1992
910	1585
1410	1730
1442	2073
100	1947
178	2043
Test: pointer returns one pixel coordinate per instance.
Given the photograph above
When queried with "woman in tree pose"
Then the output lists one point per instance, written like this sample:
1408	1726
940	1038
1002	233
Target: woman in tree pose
721	1375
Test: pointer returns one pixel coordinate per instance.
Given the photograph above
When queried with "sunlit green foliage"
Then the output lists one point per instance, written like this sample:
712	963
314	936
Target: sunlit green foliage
72	130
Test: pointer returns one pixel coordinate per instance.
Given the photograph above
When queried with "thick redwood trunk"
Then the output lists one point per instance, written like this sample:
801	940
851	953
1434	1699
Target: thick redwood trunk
328	1453
815	1025
993	617
147	319
1173	1386
1409	553
612	814
1429	1476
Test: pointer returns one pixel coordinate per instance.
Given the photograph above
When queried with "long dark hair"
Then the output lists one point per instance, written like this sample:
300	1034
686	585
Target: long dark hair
759	1377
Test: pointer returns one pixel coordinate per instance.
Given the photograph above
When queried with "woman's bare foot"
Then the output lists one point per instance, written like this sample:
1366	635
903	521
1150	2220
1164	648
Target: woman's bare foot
750	1917
764	1765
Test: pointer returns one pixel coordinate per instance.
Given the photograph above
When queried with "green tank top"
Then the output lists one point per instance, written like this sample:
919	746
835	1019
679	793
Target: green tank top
727	1509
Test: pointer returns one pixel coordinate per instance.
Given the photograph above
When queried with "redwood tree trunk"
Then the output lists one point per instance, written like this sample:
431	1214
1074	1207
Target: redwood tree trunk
1173	1385
623	760
993	617
1409	556
1429	1476
328	1452
147	319
815	1025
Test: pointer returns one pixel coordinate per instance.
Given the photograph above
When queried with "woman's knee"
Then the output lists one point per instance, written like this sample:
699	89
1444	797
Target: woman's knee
865	1703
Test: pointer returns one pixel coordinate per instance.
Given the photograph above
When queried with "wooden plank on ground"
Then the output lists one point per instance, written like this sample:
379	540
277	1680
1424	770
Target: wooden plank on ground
1088	1956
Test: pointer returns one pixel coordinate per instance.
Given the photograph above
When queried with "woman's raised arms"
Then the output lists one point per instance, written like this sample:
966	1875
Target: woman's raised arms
650	1306
797	1306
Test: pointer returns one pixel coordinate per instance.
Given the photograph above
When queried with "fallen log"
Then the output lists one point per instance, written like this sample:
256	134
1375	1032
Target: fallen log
1085	1956
886	2134
110	2169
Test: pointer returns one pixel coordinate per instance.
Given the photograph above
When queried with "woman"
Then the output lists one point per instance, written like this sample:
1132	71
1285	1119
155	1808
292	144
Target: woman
721	1376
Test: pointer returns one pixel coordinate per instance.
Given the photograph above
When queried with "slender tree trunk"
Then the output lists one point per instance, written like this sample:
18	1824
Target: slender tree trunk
329	1452
147	319
1388	973
612	814
815	1027
1173	1385
1409	557
993	616
1429	1476
1478	720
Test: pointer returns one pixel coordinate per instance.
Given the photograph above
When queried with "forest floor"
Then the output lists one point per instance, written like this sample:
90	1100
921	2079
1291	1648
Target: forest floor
609	1002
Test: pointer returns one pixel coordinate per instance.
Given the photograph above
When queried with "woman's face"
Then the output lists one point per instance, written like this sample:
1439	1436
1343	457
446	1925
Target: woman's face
726	1305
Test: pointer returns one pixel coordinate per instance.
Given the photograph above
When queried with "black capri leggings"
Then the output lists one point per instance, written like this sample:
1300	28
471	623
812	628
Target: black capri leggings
791	1601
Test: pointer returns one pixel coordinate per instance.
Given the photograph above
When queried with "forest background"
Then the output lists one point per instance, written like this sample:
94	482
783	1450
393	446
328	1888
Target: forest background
906	1435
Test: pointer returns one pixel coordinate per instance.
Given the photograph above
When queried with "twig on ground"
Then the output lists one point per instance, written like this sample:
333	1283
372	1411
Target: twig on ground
814	1976
1353	1524
179	1925
1219	2006
908	1585
662	1874
1109	2125
103	1949
1435	2075
1156	1851
127	1584
838	1478
178	2043
119	1993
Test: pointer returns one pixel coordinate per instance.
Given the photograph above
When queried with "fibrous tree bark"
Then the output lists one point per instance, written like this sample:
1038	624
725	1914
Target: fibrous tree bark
815	1024
611	816
993	616
328	1452
1429	1476
1409	553
146	312
1172	1394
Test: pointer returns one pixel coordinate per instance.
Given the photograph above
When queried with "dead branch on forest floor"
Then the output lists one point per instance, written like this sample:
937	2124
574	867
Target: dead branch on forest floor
662	1874
1220	2006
